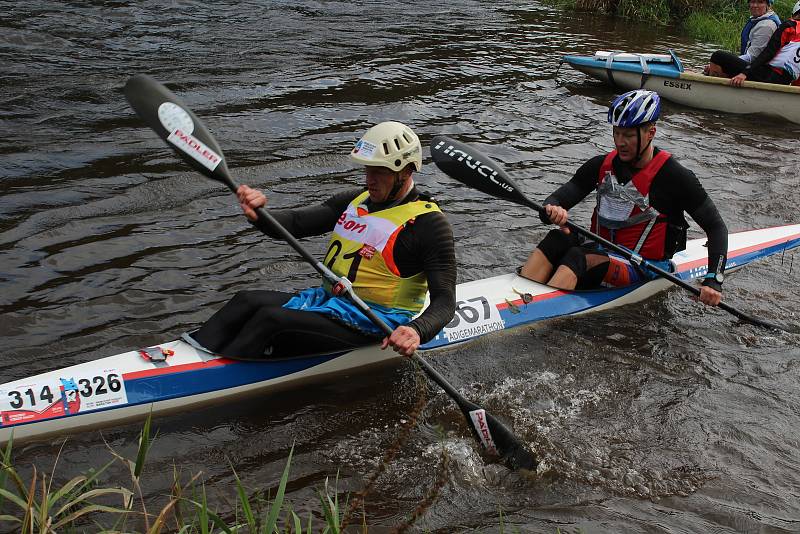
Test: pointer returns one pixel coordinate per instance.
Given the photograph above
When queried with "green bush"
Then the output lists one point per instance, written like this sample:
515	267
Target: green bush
718	21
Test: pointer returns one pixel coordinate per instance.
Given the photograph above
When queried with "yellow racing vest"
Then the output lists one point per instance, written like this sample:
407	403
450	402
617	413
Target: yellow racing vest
362	249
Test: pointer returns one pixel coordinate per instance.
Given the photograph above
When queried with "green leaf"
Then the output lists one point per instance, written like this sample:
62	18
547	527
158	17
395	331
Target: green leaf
278	503
94	493
144	445
204	513
247	510
298	527
87	510
6	462
217	520
22	503
21	487
331	515
66	488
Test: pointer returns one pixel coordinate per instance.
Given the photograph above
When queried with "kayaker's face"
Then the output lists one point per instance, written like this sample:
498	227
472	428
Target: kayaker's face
758	7
380	182
628	143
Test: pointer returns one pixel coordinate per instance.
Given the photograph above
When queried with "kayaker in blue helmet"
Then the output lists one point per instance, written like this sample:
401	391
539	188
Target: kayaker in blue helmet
642	194
756	33
389	239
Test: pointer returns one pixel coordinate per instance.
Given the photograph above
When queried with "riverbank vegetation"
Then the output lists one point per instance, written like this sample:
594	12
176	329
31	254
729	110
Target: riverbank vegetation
717	21
35	502
91	502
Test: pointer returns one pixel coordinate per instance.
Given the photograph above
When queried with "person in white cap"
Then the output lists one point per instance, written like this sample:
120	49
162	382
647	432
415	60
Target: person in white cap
391	241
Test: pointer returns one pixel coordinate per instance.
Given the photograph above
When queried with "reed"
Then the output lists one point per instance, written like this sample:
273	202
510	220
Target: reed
39	505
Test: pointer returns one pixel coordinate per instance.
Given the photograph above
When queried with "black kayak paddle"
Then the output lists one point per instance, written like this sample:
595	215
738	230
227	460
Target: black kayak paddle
470	167
175	123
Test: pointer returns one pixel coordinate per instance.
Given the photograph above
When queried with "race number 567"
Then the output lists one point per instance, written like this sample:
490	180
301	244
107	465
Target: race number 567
479	310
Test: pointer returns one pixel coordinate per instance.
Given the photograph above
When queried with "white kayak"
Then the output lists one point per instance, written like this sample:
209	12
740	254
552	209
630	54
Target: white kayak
175	376
665	74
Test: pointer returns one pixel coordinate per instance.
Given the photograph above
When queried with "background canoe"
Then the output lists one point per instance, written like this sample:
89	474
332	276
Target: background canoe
693	89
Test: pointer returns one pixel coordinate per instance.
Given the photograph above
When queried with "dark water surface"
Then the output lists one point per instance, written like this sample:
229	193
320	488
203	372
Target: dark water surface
659	417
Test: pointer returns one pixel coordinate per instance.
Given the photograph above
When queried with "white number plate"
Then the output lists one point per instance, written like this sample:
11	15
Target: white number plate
32	401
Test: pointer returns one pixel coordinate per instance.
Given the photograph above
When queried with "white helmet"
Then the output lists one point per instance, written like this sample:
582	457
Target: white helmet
796	8
388	144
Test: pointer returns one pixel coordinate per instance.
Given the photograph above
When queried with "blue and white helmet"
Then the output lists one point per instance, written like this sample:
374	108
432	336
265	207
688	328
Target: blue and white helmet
634	108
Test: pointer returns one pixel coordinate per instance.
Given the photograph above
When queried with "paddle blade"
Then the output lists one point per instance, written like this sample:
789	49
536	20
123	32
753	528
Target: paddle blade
498	440
175	123
495	437
470	167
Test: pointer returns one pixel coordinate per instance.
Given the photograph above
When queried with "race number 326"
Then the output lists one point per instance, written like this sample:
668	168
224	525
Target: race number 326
99	385
96	390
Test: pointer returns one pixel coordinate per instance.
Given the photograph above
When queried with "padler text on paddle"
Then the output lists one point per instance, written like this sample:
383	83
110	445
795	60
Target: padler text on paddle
195	149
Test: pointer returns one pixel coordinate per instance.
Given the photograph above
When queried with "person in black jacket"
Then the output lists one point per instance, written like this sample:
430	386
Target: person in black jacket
390	240
642	195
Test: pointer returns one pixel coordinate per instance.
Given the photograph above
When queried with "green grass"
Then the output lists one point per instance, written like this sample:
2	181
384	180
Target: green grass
40	506
718	21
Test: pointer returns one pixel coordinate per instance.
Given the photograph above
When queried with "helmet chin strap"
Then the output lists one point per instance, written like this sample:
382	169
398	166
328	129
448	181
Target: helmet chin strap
399	184
639	150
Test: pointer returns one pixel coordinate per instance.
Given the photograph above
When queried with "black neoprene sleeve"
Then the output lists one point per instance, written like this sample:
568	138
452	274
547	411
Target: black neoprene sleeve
426	245
674	190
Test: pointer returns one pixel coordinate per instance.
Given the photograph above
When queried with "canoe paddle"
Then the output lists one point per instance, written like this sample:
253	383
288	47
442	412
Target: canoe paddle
469	166
175	123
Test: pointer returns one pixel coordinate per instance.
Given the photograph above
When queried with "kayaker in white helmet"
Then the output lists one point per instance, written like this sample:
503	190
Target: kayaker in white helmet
389	239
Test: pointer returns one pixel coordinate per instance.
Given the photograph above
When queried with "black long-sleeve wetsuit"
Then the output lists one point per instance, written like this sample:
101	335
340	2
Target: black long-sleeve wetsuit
675	190
254	322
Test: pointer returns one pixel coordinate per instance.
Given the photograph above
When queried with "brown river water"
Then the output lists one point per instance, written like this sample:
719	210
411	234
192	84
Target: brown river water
658	417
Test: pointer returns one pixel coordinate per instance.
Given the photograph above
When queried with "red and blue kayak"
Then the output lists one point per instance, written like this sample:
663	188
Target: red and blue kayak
176	376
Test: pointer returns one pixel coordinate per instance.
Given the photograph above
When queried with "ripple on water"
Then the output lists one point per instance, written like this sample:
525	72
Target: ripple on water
660	415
